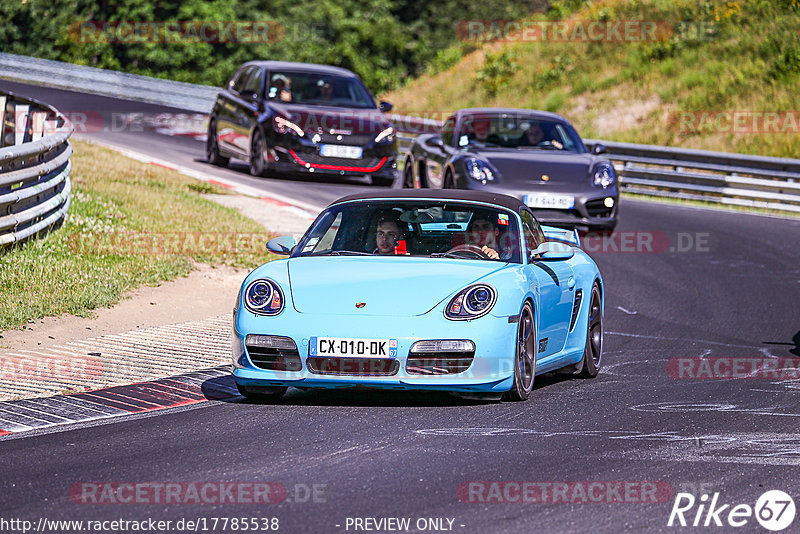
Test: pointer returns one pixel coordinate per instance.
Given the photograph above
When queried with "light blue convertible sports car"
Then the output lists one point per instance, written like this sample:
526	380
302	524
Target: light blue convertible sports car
459	291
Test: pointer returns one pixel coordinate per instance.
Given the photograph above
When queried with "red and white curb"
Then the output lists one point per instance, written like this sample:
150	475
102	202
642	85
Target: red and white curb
302	209
183	390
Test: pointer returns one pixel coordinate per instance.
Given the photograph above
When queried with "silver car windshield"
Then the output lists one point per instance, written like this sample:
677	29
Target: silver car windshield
439	229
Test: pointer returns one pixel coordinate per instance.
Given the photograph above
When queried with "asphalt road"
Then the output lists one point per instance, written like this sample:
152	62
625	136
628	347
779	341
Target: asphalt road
716	284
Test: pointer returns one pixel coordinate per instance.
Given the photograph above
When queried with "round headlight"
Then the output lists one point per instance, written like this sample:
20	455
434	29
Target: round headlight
471	303
604	176
263	297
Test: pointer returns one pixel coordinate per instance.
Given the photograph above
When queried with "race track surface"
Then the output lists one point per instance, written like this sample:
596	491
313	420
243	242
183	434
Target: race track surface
681	283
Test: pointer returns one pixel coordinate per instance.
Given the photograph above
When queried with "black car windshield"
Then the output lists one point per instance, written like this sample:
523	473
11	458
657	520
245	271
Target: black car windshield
318	89
523	132
427	228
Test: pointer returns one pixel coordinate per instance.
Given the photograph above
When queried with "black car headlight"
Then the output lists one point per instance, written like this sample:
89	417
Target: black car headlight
479	170
282	126
604	175
264	297
386	136
471	303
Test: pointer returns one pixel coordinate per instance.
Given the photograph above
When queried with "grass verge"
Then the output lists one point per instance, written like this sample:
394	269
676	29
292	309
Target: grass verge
130	224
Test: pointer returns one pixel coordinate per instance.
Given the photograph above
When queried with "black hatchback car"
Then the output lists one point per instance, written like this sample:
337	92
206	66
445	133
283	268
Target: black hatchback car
285	117
535	156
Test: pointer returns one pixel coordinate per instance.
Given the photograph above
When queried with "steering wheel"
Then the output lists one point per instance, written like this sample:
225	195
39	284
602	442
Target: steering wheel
473	250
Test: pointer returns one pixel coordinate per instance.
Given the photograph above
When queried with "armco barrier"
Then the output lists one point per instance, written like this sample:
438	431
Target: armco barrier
34	168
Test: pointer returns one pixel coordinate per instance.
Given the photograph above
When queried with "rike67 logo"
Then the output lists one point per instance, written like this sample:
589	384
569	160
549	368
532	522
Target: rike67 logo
774	510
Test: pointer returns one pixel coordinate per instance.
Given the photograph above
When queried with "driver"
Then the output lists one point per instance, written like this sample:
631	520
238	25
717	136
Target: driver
481	128
483	233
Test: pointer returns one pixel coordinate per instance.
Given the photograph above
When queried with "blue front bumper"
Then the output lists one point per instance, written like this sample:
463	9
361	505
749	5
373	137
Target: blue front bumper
491	370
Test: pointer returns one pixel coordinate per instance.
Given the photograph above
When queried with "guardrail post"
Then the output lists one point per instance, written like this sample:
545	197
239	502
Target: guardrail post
21	117
2	120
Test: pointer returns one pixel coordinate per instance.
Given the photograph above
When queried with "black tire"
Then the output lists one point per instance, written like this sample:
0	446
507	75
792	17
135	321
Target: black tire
524	357
593	353
408	175
257	149
449	181
262	393
382	181
212	148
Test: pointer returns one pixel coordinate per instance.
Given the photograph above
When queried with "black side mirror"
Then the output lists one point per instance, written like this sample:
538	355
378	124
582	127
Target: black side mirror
599	148
385	106
252	96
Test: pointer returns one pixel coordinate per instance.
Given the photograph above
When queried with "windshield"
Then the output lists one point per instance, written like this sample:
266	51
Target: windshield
429	228
318	89
523	132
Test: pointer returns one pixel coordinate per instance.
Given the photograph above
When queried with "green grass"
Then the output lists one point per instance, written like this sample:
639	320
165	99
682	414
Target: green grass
129	224
717	55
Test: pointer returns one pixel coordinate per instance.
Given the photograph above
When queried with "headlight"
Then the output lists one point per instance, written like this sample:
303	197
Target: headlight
604	175
281	125
471	303
264	297
479	170
386	136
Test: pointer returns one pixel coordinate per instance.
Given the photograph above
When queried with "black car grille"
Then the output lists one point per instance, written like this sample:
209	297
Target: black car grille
353	366
315	159
575	307
597	208
272	359
439	363
350	140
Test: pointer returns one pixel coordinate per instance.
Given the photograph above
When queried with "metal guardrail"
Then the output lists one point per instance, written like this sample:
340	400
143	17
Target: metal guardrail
72	77
34	168
718	177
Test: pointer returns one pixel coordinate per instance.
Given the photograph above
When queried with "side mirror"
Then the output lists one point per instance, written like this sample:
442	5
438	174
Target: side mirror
599	148
438	143
385	106
281	245
552	251
252	96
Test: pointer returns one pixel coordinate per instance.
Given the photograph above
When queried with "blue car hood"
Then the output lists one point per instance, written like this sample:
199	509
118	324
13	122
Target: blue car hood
400	287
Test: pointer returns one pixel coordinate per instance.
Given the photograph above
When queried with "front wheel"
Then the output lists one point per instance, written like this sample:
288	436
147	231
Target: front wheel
449	180
408	176
257	167
524	357
212	148
593	353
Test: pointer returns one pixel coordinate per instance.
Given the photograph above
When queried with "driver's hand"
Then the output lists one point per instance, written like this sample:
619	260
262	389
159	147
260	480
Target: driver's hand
492	253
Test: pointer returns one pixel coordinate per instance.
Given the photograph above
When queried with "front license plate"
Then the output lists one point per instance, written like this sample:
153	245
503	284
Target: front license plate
352	347
545	200
340	151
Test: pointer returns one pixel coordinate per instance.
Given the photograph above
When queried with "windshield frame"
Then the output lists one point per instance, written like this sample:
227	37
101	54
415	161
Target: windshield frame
369	98
517	257
466	117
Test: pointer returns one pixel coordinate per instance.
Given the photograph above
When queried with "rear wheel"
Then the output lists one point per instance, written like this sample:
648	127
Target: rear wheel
257	166
212	147
449	180
593	353
262	392
524	357
408	175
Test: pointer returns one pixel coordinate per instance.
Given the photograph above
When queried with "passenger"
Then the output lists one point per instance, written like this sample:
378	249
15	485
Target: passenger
388	236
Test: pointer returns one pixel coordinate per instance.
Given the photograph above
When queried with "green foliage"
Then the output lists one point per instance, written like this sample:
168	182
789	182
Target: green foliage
497	69
386	42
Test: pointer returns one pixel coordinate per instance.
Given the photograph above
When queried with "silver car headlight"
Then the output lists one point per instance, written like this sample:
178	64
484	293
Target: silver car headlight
604	175
479	170
471	303
264	297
